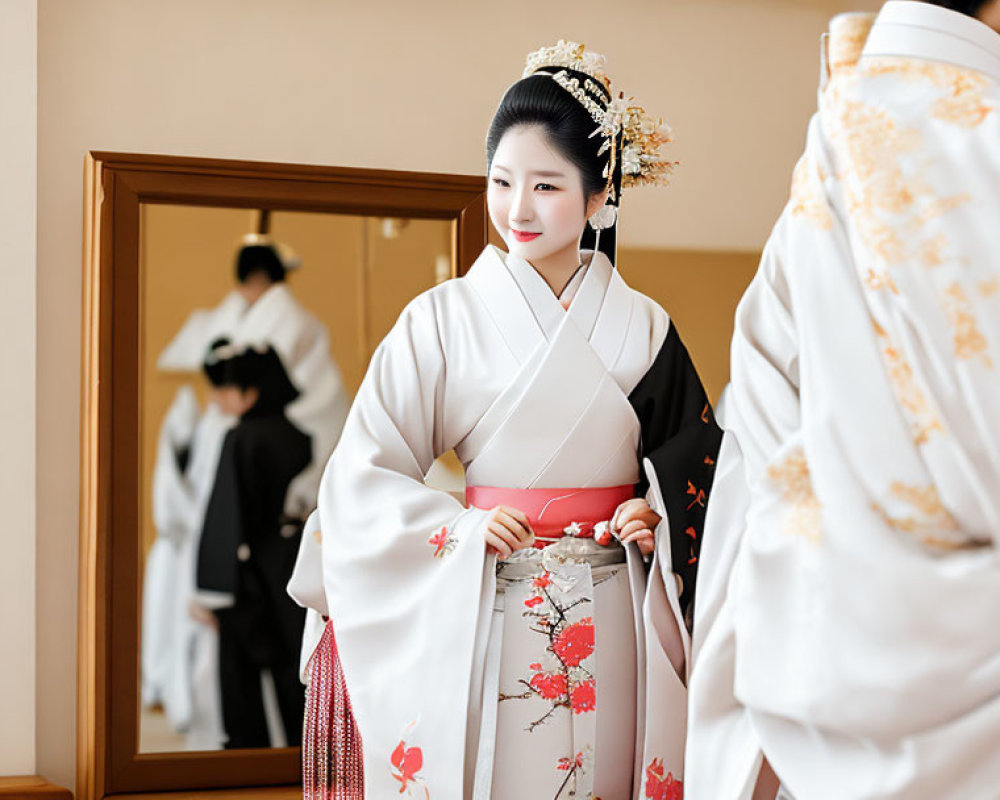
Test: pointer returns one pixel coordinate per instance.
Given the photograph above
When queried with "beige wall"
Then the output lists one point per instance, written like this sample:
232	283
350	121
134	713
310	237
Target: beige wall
700	290
18	83
368	84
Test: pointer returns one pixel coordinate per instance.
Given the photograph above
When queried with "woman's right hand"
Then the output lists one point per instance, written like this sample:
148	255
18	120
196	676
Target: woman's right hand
507	530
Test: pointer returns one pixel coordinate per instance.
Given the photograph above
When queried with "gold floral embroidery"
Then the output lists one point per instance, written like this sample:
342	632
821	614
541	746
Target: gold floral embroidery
848	33
792	476
318	535
940	206
990	287
969	340
932	251
963	101
888	205
917	410
806	199
924	517
880	280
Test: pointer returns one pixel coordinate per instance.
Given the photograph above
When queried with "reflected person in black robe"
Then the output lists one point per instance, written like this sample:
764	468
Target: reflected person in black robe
248	545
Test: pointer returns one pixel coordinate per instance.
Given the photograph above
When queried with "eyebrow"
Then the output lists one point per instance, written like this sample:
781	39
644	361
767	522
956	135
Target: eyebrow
537	174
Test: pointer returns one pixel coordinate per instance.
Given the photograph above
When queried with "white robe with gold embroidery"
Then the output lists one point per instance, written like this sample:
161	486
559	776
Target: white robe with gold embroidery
846	616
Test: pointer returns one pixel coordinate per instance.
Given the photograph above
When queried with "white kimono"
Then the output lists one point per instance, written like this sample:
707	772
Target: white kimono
530	396
846	611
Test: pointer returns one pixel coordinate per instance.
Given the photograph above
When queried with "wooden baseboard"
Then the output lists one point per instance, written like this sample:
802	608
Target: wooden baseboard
263	793
31	787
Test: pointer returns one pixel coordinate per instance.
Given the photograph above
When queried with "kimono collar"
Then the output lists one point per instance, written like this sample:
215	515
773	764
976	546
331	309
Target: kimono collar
931	33
586	292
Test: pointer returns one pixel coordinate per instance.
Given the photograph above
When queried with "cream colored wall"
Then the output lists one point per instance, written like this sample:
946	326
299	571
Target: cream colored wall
18	83
699	290
381	84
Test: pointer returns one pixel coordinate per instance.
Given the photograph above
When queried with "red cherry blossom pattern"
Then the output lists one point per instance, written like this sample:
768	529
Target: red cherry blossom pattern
583	698
550	686
442	542
660	786
575	642
406	763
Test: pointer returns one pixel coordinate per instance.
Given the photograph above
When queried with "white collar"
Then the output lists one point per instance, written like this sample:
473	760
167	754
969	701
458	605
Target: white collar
925	31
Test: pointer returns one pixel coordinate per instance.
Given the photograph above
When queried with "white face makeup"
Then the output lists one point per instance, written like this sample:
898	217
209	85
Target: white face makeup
536	200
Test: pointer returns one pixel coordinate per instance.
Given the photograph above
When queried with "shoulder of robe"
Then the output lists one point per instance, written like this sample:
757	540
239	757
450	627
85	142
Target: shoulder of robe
645	310
448	303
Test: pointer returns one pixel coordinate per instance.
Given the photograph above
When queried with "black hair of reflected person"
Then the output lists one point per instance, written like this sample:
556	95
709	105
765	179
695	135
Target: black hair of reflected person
259	258
538	100
969	7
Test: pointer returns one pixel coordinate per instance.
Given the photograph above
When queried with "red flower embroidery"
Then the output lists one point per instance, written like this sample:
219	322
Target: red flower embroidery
698	494
660	786
549	686
542	581
571	763
531	602
583	697
442	542
575	643
406	764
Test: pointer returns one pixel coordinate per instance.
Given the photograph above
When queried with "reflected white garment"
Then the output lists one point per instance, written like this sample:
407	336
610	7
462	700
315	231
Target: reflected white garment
303	343
854	638
530	396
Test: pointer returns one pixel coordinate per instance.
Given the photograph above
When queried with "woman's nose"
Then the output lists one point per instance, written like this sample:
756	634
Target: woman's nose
521	209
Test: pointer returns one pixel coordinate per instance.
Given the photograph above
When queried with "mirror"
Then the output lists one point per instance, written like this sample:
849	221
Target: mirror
188	681
207	683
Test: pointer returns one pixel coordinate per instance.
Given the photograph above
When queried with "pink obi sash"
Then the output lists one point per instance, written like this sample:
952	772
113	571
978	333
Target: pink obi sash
555	513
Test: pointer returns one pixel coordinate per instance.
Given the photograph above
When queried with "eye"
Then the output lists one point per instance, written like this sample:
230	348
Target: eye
546	187
501	182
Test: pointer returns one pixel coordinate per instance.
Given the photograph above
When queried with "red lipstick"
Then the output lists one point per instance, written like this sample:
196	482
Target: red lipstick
525	236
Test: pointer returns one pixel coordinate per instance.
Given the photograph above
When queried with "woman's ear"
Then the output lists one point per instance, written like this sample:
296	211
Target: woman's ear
596	203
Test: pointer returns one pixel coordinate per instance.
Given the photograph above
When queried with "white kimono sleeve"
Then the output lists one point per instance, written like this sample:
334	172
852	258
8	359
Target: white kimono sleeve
403	564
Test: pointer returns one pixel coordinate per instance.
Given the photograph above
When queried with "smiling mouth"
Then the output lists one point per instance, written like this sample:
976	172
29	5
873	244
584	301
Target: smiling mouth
525	236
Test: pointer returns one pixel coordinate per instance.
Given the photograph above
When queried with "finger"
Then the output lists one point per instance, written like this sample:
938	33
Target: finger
497	544
520	516
502	534
636	535
511	524
646	545
633	526
625	513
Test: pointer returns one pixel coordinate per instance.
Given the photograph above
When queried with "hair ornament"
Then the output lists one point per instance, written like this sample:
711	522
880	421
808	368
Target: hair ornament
286	255
633	137
568	55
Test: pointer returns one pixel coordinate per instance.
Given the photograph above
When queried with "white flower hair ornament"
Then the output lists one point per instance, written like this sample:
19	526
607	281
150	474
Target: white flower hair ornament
633	137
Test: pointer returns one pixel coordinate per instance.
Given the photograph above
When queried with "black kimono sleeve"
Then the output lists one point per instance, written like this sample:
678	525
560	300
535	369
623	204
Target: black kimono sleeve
681	439
222	530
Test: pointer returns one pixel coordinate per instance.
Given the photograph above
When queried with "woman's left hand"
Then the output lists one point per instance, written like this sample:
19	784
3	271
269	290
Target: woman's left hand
635	521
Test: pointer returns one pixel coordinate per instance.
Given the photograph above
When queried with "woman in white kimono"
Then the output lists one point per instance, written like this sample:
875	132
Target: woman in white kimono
518	647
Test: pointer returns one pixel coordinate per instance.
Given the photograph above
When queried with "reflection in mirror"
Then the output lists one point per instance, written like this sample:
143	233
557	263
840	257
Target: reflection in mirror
256	329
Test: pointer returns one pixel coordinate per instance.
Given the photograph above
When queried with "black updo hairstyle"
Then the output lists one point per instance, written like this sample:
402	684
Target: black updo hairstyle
253	258
970	7
257	368
539	100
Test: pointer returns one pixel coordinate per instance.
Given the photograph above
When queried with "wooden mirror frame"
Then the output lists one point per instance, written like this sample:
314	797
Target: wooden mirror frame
110	556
